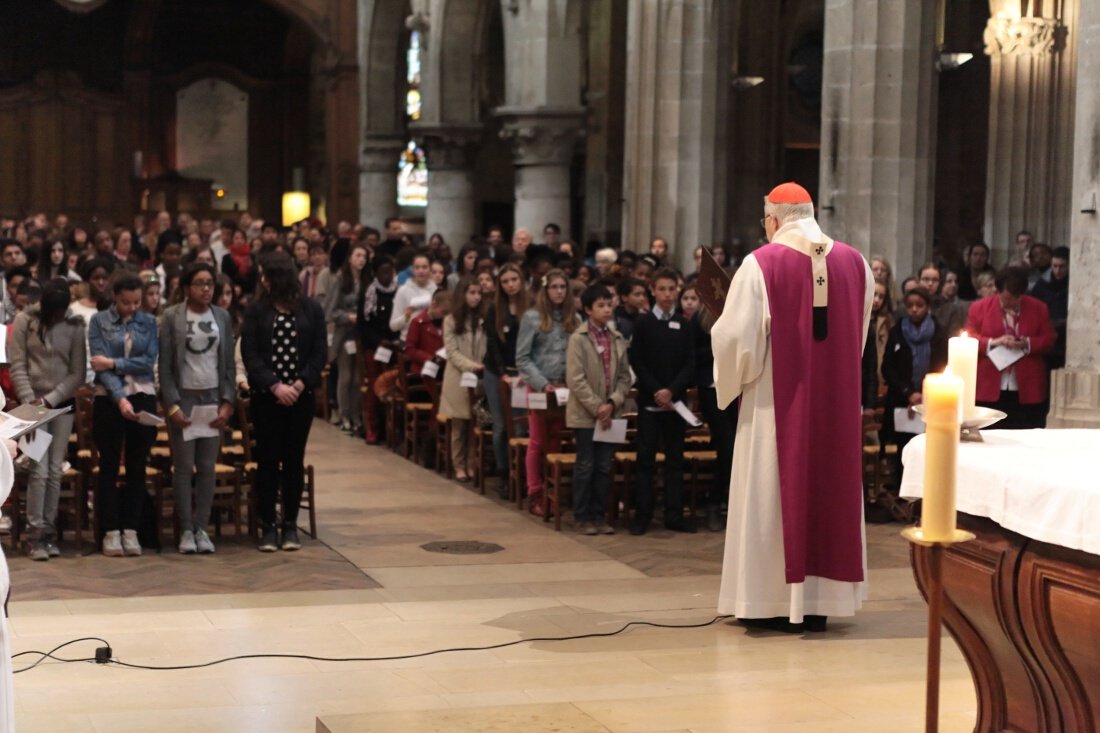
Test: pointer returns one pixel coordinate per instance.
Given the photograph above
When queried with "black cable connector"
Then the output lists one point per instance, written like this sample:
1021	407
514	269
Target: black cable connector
103	655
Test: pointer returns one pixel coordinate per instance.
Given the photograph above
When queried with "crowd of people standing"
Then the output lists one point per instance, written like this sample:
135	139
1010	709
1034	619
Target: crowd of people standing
181	315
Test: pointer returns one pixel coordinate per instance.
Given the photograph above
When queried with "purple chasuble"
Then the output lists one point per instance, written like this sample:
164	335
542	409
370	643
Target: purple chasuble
817	411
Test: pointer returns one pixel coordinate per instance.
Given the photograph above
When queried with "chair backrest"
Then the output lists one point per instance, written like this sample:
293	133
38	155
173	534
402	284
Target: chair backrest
407	383
244	417
83	422
511	419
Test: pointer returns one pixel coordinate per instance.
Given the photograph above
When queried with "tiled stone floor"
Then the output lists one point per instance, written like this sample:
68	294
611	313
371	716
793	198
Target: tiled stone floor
375	511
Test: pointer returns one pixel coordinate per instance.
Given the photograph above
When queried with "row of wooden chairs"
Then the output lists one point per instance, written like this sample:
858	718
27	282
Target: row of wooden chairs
235	500
411	415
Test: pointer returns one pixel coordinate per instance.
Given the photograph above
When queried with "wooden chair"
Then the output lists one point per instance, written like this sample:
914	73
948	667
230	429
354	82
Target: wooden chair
699	464
557	466
515	426
308	503
417	413
439	428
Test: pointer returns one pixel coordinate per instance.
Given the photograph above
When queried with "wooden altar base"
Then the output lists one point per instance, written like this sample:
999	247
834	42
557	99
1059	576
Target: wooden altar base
1026	615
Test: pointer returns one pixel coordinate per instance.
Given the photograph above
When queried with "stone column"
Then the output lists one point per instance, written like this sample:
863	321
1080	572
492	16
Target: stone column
450	152
378	177
878	128
542	141
671	88
1075	390
342	140
1029	168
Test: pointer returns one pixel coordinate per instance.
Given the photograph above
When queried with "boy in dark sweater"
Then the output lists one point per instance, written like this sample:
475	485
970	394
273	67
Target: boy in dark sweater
662	353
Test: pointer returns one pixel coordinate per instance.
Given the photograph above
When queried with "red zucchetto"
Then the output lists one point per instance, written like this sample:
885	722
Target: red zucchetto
789	193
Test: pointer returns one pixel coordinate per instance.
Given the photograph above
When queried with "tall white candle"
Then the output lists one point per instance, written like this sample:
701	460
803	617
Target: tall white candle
942	398
962	361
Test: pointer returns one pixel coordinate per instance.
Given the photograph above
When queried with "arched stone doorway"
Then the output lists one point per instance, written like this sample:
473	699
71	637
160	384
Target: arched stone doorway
129	60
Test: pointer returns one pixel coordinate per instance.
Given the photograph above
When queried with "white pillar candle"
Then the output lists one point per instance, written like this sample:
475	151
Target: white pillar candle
942	397
962	361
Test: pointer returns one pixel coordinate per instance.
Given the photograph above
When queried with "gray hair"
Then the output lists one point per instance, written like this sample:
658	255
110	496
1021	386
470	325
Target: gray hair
786	213
607	254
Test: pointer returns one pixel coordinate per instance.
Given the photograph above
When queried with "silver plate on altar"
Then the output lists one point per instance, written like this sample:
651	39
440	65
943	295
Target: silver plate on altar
978	417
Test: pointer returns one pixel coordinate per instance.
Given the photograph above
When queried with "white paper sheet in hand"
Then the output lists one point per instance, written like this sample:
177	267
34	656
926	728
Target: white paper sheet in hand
351	347
905	424
148	418
536	401
561	394
11	426
688	415
442	353
1004	357
420	302
614	434
519	397
429	370
35	444
468	380
383	355
201	417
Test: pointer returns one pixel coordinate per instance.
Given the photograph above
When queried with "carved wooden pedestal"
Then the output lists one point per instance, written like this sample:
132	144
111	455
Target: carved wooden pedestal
1026	615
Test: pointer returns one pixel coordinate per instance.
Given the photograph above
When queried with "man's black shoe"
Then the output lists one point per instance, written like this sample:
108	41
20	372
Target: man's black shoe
779	623
639	526
681	525
815	623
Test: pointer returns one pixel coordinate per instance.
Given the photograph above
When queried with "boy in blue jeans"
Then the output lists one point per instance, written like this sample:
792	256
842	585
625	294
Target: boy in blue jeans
597	372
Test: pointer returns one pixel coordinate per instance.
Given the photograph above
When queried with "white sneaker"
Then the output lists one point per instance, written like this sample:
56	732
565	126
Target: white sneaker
187	542
112	544
203	543
130	544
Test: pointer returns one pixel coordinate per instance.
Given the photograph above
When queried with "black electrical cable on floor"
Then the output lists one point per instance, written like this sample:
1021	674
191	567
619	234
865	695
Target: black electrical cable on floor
310	657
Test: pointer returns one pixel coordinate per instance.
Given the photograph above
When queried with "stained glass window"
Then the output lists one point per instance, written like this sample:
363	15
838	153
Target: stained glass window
412	168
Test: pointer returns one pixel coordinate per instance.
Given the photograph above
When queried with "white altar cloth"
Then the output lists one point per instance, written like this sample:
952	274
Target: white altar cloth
1043	484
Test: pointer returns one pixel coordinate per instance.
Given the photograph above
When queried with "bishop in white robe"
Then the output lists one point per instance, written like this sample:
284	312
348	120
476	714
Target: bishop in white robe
789	342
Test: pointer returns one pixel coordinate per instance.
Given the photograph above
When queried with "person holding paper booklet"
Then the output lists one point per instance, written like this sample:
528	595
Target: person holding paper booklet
598	374
662	353
917	345
283	345
198	390
124	346
48	362
414	296
425	339
1014	332
502	329
464	340
540	357
342	311
375	310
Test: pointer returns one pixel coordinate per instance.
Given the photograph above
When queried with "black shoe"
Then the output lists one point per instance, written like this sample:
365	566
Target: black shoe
639	526
815	623
779	623
290	539
270	540
681	525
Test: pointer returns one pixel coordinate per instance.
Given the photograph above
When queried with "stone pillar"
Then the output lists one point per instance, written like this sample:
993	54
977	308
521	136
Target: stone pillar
1075	390
671	88
1029	168
878	128
542	141
378	177
450	152
342	141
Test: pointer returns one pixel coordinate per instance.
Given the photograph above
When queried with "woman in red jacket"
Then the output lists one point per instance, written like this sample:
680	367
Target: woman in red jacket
1014	328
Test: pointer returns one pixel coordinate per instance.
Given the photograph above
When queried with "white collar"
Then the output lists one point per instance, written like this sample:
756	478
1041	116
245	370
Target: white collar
805	236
